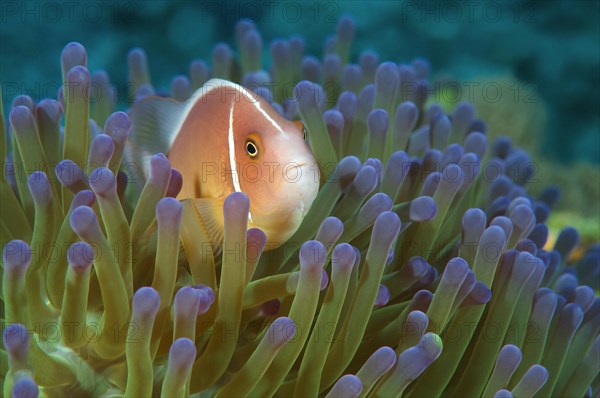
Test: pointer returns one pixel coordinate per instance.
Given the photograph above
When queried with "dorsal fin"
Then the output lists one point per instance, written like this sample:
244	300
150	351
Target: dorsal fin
155	121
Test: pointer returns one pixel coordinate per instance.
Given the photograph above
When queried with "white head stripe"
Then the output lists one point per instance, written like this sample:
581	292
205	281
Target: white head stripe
266	115
207	88
231	141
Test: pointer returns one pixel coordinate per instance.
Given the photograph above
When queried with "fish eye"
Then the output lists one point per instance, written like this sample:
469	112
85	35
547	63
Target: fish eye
251	148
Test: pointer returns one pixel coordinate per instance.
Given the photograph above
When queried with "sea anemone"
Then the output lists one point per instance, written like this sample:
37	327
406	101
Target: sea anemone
422	268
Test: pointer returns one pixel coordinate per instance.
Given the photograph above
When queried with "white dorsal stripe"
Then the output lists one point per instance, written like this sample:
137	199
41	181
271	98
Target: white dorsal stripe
206	88
266	115
231	140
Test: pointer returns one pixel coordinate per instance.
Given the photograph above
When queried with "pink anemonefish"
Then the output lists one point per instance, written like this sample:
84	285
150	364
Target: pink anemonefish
227	139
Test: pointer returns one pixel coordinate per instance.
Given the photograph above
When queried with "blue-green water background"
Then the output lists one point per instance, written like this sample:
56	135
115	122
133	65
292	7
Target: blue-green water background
552	45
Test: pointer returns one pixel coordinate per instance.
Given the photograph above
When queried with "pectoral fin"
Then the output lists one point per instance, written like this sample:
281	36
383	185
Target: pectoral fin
200	245
209	215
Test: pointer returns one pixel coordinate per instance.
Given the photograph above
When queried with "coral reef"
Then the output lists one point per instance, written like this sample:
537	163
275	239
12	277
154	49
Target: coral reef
420	270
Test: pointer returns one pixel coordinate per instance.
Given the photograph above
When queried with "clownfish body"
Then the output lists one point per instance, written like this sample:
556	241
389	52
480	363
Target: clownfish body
227	139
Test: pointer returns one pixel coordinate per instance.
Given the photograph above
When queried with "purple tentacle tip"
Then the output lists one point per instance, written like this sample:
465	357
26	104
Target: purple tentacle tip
343	257
40	189
85	223
83	198
25	387
378	121
73	54
334	119
421	67
118	126
368	63
351	77
307	95
70	175
312	255
221	54
383	296
79	77
417	266
331	66
181	87
186	301
101	150
348	104
406	116
550	196
16	341
522	216
24	100
440	129
243	26
160	169
182	354
280	51
456	271
527	245
503	222
175	184
345	28
366	179
481	294
376	164
252	41
281	331
311	68
452	154
346	386
236	206
330	230
387	226
476	142
509	357
474	219
535	377
387	75
16	256
168	210
417	321
566	242
146	301
422	208
384	358
376	205
80	256
49	110
503	394
102	181
452	175
21	118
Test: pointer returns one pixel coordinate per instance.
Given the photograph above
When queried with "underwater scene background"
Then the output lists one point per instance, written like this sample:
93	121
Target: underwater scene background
453	248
